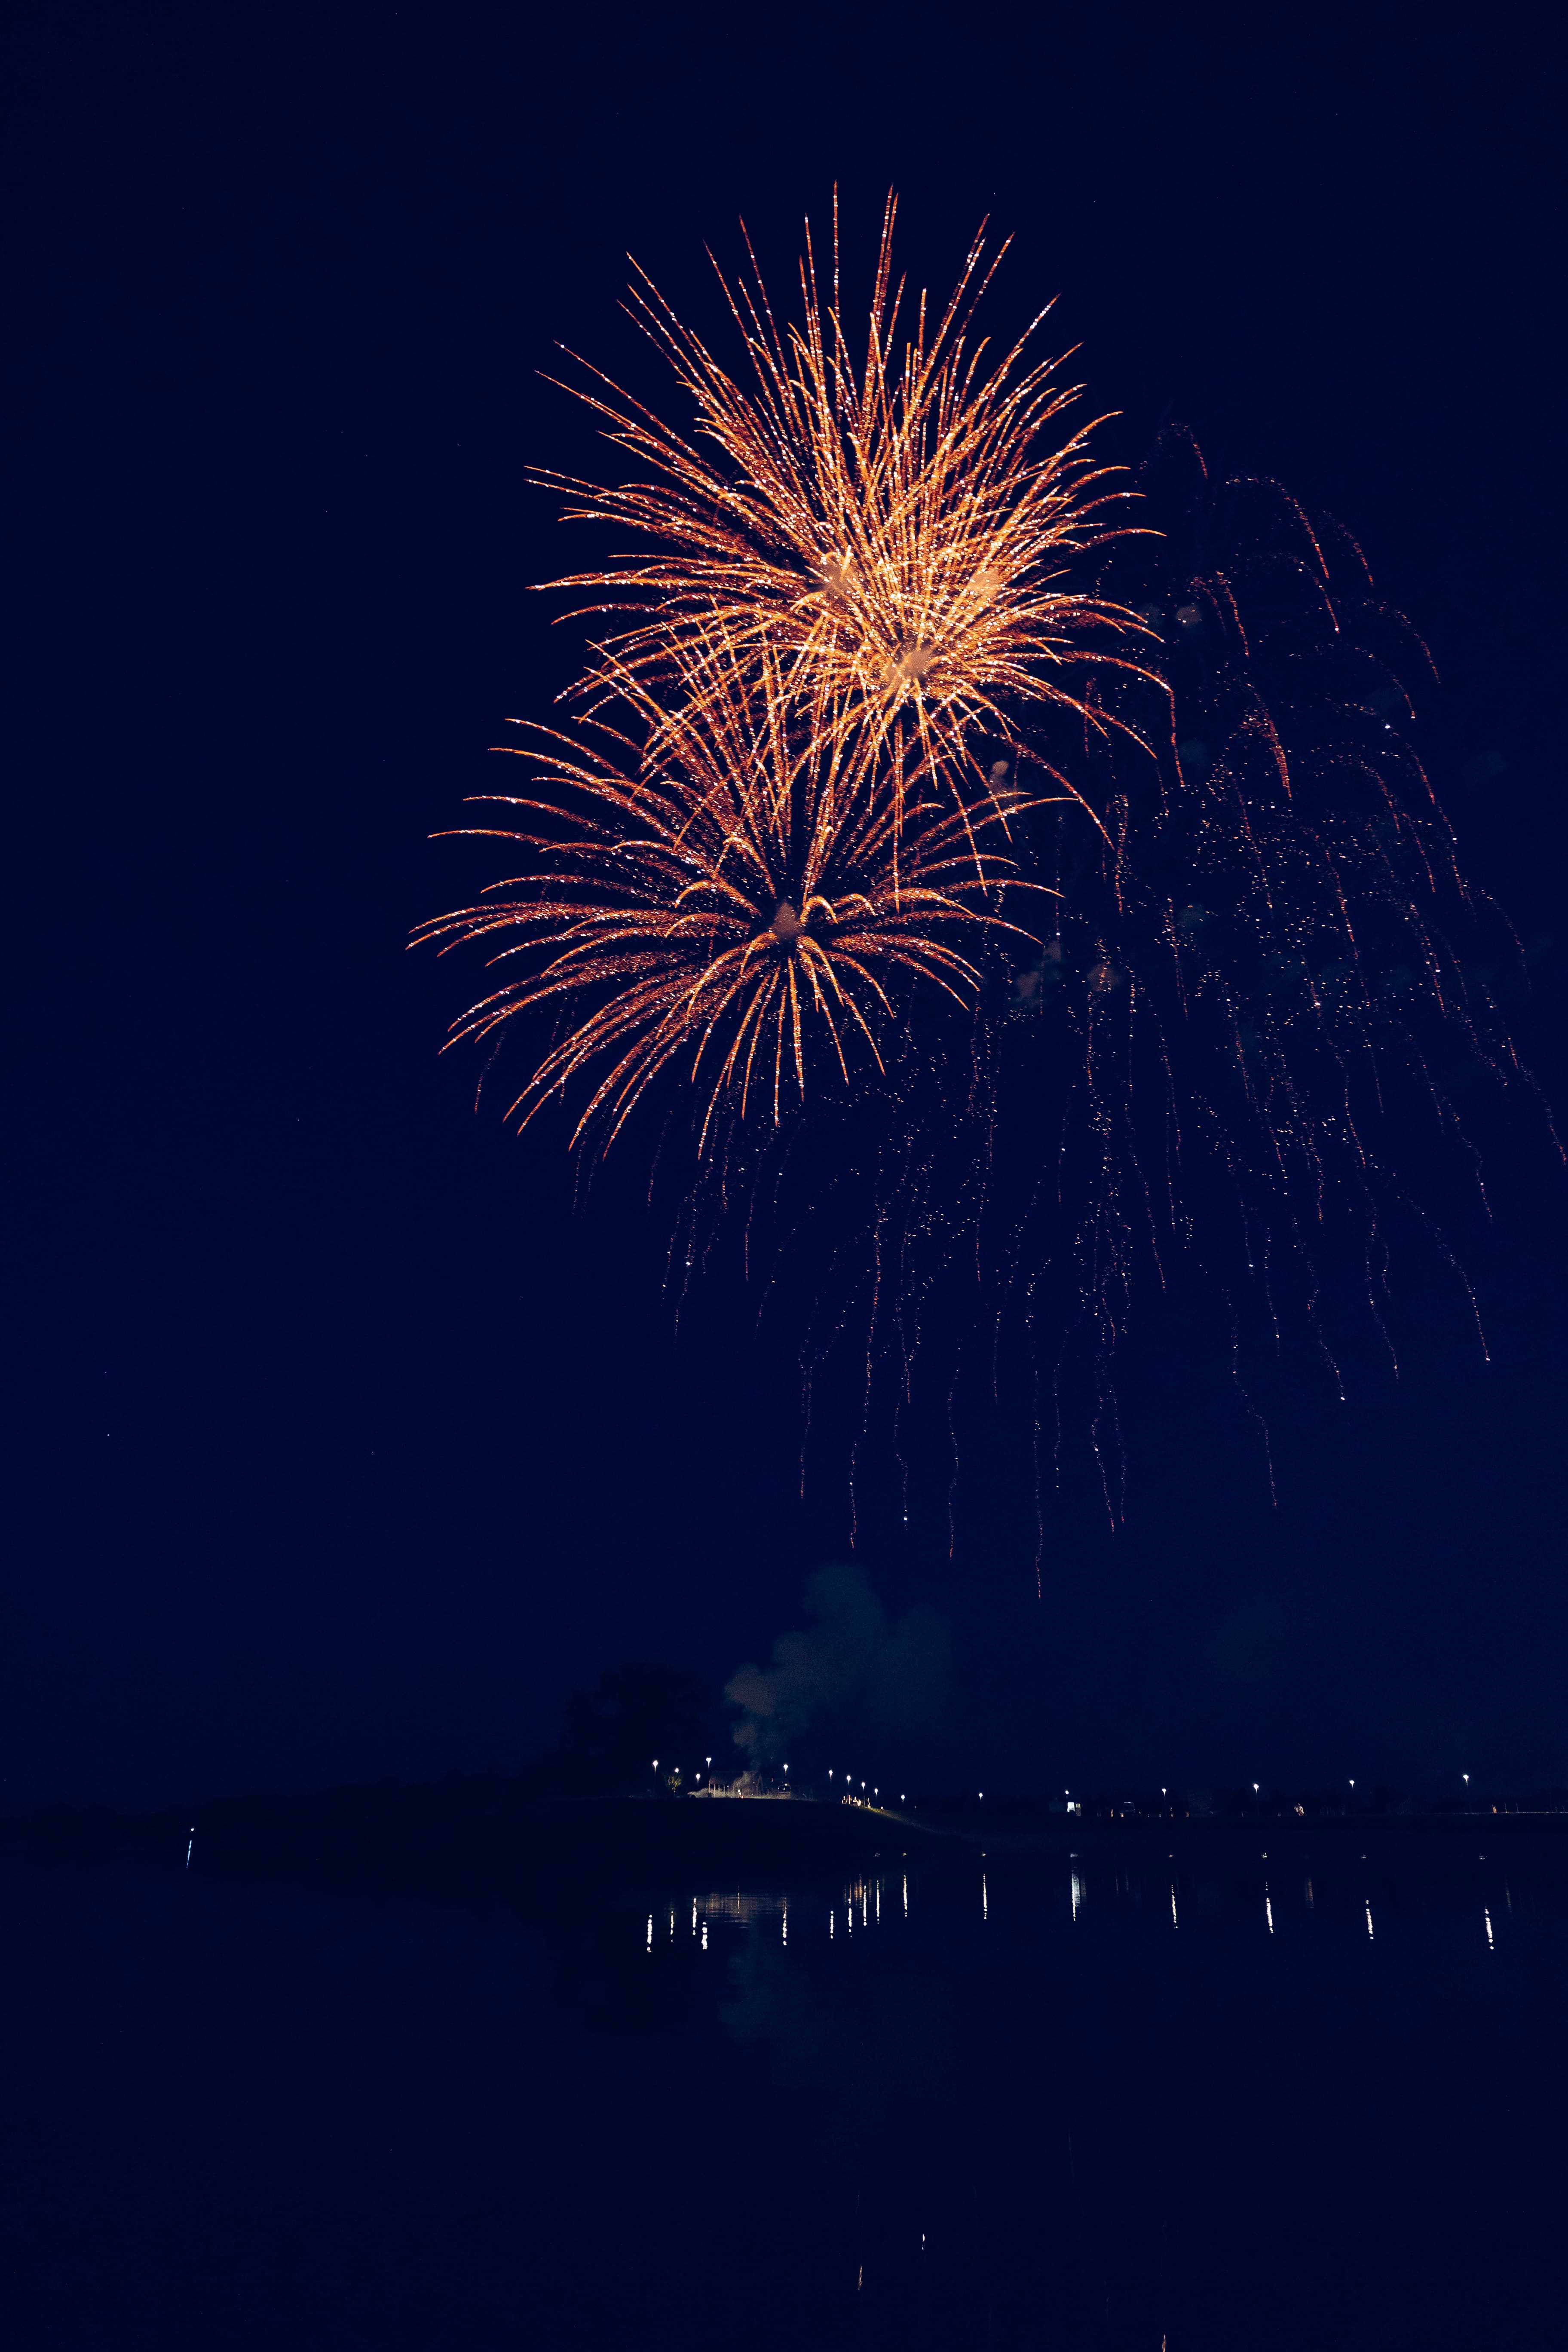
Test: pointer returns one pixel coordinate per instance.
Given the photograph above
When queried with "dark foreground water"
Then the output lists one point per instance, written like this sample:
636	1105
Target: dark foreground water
1101	2099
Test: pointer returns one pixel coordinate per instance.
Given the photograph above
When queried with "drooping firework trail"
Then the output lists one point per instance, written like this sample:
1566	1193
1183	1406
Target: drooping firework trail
1030	857
1266	1035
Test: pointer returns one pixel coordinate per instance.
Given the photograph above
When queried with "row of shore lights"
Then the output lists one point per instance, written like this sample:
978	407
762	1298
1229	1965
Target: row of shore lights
848	1779
849	1782
1257	1786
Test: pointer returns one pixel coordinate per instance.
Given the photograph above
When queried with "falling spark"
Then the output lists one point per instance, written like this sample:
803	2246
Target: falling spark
1233	1047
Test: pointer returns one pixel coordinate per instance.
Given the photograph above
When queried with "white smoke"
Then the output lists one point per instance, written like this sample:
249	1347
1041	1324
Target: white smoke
893	1675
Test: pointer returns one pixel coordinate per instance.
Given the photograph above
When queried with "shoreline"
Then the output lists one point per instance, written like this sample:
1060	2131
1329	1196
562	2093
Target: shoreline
483	1837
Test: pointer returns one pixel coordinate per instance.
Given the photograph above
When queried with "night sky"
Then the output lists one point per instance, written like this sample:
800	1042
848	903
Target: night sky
339	1441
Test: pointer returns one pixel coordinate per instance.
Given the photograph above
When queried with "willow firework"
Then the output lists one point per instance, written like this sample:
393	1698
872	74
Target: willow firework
1267	1035
712	886
780	843
894	533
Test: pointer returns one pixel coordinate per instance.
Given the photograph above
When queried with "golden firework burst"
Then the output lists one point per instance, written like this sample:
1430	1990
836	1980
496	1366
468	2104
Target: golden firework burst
715	884
896	532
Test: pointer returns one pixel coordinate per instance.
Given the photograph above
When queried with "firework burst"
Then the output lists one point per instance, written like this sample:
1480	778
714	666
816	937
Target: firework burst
894	533
778	845
712	887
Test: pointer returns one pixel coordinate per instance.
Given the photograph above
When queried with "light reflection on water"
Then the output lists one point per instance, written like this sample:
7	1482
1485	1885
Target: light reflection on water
932	2034
1007	2106
859	1901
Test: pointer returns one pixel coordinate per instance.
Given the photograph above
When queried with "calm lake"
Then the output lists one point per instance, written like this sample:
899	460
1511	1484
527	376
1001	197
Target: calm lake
1109	2096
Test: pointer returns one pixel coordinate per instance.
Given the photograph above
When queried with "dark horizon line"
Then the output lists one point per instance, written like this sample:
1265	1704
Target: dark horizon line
1235	1803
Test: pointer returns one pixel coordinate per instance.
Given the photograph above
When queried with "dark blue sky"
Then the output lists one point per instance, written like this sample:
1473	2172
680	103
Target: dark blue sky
339	1443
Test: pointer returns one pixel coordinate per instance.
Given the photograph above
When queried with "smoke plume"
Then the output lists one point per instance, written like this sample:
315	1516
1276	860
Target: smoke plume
893	1675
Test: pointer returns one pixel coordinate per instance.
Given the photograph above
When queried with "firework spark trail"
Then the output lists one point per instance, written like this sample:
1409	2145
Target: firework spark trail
1269	986
897	532
732	894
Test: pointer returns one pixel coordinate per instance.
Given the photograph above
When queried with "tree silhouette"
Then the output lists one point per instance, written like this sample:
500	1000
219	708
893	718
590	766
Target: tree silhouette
637	1713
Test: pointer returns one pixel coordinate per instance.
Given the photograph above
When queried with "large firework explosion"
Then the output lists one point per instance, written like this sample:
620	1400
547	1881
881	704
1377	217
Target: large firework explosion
1254	1024
788	805
897	534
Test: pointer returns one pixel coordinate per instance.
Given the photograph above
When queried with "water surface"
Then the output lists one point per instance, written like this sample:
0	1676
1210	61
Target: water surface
1092	2097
